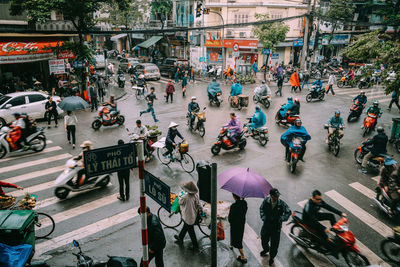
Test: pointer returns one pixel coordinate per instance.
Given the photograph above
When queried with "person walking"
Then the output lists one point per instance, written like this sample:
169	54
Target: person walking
273	212
192	74
176	75
279	83
156	239
123	180
190	209
150	102
395	99
70	122
93	96
51	108
331	82
101	86
237	220
184	84
169	91
294	81
306	79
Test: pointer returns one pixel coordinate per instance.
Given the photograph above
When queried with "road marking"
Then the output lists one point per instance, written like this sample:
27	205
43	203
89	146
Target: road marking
376	178
363	190
253	242
46	150
32	175
302	203
47	202
32	189
362	215
34	162
85	231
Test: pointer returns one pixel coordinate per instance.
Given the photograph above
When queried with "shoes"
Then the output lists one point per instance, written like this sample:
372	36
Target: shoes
140	113
73	146
363	170
270	262
156	120
239	259
178	240
56	126
388	109
263	253
121	198
48	127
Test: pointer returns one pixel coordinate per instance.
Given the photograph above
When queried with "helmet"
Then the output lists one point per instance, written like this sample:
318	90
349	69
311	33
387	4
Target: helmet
380	129
290	98
297	100
16	114
258	107
214	80
263	81
141	76
88	144
173	124
297	121
337	112
376	103
193	98
362	92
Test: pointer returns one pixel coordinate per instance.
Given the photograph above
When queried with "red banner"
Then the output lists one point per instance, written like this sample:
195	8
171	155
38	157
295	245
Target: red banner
237	43
66	55
24	48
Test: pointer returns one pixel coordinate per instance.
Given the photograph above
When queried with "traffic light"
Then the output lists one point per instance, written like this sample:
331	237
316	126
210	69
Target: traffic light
198	9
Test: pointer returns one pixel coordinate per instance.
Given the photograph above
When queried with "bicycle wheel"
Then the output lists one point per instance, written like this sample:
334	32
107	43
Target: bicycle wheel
170	220
164	159
44	225
205	229
187	163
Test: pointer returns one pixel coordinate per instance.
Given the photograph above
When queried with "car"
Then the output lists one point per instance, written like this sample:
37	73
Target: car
149	70
32	103
125	63
167	66
100	61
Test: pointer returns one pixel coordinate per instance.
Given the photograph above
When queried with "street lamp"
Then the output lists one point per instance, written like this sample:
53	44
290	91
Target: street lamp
222	45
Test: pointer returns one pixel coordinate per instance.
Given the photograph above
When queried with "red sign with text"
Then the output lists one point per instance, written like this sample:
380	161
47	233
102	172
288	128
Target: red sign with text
24	48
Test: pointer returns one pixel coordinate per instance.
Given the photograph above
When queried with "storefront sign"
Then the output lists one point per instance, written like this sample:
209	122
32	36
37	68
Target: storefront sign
214	56
213	39
109	159
57	66
298	42
79	64
336	39
24	48
242	43
275	56
157	190
25	58
266	51
66	55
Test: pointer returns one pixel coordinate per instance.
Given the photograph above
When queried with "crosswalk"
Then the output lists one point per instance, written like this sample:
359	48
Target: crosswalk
103	211
373	93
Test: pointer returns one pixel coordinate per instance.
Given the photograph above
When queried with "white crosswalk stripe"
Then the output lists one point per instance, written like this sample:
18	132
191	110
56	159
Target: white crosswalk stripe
46	150
31	175
34	163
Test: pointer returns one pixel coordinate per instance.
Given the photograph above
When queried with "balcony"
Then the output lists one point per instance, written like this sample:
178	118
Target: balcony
156	24
55	25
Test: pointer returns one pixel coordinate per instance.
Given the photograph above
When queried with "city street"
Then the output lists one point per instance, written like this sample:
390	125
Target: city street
105	226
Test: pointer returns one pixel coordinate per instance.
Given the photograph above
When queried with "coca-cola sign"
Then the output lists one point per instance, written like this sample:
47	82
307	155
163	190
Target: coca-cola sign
23	48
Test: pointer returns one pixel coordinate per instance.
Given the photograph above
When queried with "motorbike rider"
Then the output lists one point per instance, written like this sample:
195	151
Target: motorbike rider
193	108
295	131
212	89
141	82
350	74
141	132
378	142
17	132
4	184
335	122
390	182
318	84
234	128
376	110
362	98
170	139
312	214
295	109
236	90
258	120
81	177
286	107
113	105
263	90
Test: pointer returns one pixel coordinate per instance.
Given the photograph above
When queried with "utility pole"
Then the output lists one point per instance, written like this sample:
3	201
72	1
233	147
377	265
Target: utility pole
213	237
304	52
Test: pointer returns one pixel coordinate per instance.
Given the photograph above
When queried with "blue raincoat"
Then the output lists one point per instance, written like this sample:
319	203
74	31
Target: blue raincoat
259	119
15	256
295	131
214	88
236	89
286	107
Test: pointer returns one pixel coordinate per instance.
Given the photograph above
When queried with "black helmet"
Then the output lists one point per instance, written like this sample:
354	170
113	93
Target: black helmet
380	129
297	121
263	81
376	103
337	112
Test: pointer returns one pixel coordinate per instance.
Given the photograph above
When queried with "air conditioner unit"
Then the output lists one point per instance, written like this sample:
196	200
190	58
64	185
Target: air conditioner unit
242	34
229	33
231	1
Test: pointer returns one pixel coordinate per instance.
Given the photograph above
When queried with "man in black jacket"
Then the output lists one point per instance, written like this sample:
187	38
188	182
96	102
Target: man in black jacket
312	215
156	238
273	212
379	143
51	108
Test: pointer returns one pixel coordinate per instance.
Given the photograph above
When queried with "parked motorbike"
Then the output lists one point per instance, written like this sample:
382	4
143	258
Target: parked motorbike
369	123
289	121
356	110
337	71
64	183
384	202
375	162
295	148
391	246
315	93
226	144
198	125
121	80
35	141
260	134
334	140
105	118
216	100
343	240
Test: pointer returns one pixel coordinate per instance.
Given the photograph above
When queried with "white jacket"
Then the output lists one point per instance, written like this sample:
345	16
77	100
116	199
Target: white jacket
332	80
139	131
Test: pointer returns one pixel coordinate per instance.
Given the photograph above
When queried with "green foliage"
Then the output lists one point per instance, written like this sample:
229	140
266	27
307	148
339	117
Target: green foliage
339	11
161	6
270	34
133	13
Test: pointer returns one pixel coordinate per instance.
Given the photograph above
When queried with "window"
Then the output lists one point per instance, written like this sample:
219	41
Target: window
36	98
4	99
59	16
19	100
276	15
241	18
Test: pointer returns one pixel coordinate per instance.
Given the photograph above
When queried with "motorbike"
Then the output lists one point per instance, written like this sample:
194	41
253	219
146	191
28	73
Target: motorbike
345	81
384	202
121	80
132	79
289	121
199	124
315	93
260	134
356	110
216	100
343	240
105	118
148	145
35	141
334	140
107	80
226	144
64	183
239	101
338	71
364	83
375	162
265	100
295	148
369	123
391	246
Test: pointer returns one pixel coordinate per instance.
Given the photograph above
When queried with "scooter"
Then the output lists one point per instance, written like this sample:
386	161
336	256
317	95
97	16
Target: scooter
356	110
132	79
121	80
35	141
295	148
369	123
345	81
315	93
265	100
391	246
65	184
260	134
226	144
199	125
384	201
216	100
289	121
375	162
364	83
104	118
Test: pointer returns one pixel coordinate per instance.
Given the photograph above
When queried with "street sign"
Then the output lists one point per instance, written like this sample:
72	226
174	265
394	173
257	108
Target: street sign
79	64
109	159
266	51
235	47
57	66
157	190
298	42
201	59
275	56
236	54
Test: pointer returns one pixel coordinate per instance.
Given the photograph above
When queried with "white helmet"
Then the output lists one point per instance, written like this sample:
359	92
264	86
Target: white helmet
172	124
141	76
193	98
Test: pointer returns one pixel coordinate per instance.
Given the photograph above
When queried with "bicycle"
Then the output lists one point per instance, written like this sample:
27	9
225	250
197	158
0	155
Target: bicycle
180	154
140	92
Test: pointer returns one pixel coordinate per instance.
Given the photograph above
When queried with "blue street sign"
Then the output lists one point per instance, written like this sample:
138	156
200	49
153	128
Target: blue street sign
157	190
275	56
78	64
266	51
298	42
201	59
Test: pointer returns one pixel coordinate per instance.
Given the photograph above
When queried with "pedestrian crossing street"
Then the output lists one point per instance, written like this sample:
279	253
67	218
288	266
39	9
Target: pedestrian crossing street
83	217
373	93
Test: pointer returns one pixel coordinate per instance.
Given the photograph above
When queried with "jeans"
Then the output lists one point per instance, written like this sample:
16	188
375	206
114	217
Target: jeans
189	228
52	114
71	132
159	258
330	88
270	237
305	83
322	216
170	95
279	91
396	101
93	100
366	158
123	181
192	118
150	109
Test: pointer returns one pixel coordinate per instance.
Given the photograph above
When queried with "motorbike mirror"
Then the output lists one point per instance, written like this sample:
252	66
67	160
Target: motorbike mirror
76	244
204	108
8	106
127	130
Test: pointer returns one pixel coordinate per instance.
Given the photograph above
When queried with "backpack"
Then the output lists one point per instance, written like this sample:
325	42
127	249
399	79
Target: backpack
115	261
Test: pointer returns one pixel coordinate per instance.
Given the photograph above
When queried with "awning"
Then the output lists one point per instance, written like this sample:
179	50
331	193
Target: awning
118	36
150	42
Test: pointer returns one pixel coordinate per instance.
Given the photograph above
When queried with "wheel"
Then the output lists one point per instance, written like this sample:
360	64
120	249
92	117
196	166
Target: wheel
350	117
358	156
298	232
170	220
38	143
243	144
340	84
104	182
139	95
277	120
391	250
96	124
3	151
366	131
205	229
239	106
44	225
308	97
187	163
215	149
355	259
262	139
121	120
336	148
266	103
61	192
321	97
397	146
360	86
255	99
293	164
202	130
164	159
2	123
218	104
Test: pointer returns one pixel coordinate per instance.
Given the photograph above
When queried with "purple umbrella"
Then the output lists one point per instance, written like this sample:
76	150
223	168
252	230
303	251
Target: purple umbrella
244	183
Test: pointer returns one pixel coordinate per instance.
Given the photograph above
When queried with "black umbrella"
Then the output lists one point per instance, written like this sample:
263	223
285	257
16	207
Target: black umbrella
72	103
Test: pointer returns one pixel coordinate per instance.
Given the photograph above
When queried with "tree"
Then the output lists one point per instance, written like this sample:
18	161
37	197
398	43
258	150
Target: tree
389	11
161	8
270	34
